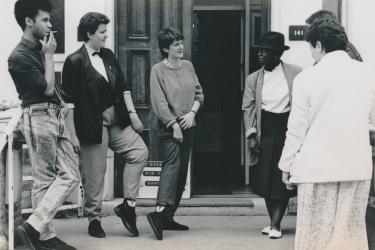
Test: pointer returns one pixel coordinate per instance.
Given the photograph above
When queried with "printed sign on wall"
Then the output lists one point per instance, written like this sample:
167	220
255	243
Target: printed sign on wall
148	186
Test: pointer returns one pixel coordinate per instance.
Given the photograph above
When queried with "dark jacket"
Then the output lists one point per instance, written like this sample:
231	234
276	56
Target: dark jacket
83	86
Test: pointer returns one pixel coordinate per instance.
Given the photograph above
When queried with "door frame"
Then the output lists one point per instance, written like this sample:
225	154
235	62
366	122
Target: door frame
246	30
245	41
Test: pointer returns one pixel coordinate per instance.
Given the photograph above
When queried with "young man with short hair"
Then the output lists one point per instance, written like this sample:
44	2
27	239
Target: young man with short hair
54	163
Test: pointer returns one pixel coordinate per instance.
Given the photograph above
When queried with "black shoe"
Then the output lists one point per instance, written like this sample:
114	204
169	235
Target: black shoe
96	230
29	236
171	224
55	243
128	217
155	220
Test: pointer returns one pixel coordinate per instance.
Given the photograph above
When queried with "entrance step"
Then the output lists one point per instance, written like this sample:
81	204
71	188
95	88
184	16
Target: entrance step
200	206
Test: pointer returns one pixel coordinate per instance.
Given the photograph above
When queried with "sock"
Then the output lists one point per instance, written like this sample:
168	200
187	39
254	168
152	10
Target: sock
160	208
130	202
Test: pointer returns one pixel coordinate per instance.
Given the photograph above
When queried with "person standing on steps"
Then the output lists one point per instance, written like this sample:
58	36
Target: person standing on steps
266	106
104	116
176	97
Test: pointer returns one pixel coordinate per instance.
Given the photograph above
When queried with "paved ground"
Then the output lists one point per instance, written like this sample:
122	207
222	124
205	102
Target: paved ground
239	230
206	232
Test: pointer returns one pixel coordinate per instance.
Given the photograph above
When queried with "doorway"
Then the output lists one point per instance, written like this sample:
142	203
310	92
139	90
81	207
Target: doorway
216	55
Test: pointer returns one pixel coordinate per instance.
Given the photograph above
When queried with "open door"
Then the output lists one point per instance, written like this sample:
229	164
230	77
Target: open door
217	57
138	23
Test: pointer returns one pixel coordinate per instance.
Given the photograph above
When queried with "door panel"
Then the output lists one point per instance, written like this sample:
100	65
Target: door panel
171	13
138	20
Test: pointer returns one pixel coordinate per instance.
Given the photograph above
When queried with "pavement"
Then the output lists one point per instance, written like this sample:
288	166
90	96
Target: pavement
212	227
206	232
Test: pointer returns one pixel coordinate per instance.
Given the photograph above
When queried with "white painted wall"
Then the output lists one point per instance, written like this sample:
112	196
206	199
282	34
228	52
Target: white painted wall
357	18
74	10
360	17
293	12
12	35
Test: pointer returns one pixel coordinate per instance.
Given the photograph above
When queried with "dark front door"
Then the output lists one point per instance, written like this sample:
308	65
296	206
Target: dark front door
138	23
217	56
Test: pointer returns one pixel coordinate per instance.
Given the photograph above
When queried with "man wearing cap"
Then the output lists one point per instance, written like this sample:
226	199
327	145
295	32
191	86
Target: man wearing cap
266	106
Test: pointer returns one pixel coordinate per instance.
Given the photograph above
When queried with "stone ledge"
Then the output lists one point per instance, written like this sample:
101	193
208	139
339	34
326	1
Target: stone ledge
193	207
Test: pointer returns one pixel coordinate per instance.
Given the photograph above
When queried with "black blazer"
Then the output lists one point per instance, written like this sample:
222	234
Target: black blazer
81	85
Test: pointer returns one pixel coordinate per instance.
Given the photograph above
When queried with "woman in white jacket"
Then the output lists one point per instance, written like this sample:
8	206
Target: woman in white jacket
327	151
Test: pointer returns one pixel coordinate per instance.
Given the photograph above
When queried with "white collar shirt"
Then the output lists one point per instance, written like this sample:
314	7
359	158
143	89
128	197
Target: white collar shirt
97	62
275	91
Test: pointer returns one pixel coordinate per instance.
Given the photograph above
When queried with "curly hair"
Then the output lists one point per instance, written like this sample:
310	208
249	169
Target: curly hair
29	8
166	38
329	33
90	23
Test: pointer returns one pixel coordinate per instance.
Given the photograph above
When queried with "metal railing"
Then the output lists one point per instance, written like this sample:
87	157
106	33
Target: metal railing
6	142
9	137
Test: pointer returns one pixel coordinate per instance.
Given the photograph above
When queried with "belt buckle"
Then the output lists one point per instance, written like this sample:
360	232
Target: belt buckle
37	105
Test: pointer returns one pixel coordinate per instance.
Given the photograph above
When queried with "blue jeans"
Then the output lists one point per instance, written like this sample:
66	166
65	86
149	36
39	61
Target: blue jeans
54	163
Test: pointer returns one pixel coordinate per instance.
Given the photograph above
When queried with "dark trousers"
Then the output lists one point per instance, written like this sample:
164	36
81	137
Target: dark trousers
173	175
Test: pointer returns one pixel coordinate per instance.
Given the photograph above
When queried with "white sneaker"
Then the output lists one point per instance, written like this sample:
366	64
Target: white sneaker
266	230
275	234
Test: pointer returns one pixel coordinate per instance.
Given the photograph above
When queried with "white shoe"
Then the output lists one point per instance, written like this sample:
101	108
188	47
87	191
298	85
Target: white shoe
275	234
266	230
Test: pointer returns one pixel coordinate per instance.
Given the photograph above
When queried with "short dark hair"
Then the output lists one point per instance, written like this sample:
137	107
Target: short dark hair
329	33
320	14
29	8
166	37
90	23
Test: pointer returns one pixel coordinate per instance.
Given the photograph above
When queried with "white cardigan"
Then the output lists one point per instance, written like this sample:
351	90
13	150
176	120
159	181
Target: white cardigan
328	128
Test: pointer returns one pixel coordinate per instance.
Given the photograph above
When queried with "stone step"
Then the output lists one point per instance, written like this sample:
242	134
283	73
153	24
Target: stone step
200	206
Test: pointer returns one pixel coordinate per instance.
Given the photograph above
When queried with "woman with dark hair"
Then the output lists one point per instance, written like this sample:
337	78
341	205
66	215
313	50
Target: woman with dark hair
327	152
266	107
103	116
176	96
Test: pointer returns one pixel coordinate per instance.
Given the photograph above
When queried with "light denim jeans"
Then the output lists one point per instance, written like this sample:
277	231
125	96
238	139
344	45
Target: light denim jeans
54	164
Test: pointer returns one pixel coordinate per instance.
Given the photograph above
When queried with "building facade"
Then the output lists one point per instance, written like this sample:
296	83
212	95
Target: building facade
219	39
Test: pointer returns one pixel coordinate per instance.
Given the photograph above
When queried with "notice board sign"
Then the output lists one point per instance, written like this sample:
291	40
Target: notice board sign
149	183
